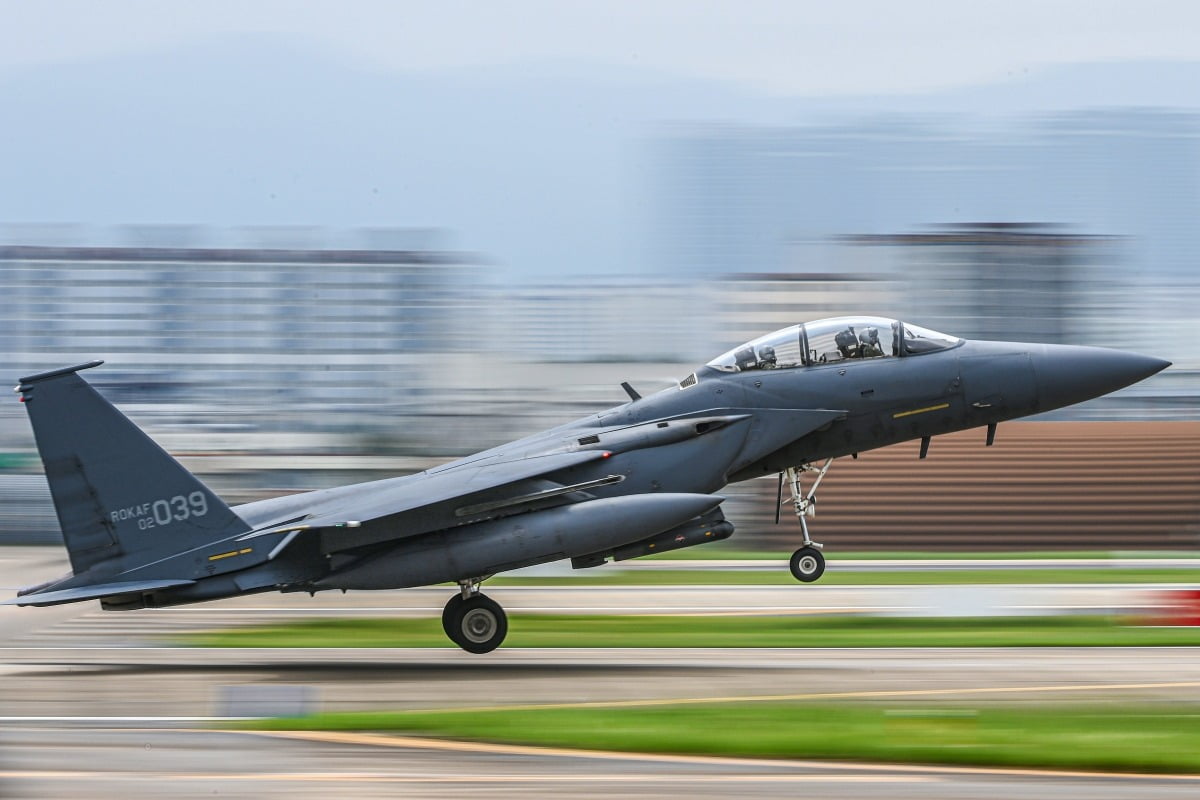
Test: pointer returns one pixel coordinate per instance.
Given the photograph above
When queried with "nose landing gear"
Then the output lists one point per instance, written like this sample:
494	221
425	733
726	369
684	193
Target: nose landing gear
807	564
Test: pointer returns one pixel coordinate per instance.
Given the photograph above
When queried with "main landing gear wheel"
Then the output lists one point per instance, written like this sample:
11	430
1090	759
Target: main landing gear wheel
807	564
448	613
477	624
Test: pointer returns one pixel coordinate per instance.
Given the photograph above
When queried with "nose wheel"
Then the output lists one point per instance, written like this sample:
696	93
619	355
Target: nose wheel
474	621
807	564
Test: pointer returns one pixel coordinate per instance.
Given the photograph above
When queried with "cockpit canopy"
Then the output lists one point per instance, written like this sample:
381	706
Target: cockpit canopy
831	340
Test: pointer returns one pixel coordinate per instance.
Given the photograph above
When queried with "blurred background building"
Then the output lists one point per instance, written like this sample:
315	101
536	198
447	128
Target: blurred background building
1002	281
290	330
735	198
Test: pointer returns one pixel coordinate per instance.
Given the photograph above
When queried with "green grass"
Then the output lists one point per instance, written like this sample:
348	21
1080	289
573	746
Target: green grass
1034	555
1128	739
838	574
719	631
731	550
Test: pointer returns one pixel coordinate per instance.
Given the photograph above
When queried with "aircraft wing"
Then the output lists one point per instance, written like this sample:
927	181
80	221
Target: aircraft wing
426	501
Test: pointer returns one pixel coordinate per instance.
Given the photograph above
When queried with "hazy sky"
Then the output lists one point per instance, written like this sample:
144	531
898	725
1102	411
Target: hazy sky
533	131
811	48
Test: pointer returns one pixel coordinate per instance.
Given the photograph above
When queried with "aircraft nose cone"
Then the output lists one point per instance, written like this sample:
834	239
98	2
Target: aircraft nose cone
1069	374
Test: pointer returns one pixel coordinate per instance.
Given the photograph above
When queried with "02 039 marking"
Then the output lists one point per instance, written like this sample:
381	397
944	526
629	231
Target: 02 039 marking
164	511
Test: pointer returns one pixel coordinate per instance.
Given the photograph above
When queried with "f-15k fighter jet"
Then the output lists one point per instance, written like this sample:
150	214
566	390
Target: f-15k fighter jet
637	479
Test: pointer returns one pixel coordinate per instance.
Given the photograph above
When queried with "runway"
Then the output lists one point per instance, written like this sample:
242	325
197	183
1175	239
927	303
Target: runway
98	704
126	729
174	682
85	625
141	763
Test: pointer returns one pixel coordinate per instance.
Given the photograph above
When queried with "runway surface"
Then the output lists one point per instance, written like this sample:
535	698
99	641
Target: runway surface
84	625
95	704
140	763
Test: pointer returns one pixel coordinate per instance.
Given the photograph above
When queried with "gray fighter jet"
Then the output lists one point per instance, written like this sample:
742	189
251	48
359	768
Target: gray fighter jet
637	479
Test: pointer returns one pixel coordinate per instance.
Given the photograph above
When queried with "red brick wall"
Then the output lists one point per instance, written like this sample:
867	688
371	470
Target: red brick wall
1043	485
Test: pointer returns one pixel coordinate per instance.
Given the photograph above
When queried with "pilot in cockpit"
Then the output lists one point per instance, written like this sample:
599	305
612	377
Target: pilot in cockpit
766	358
868	343
847	343
858	345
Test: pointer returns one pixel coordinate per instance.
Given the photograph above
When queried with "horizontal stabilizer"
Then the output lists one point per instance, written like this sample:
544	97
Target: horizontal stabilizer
92	592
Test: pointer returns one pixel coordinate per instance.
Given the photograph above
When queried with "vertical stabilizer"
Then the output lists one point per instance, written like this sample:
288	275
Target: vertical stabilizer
122	501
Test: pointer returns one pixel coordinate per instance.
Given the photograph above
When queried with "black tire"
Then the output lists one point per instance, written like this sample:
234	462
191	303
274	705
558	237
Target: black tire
807	564
452	607
478	625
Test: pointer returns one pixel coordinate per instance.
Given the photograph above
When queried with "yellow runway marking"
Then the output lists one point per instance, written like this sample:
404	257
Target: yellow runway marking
931	770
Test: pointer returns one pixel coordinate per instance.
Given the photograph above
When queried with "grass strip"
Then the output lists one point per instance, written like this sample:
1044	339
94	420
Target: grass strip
719	631
1146	738
732	549
845	575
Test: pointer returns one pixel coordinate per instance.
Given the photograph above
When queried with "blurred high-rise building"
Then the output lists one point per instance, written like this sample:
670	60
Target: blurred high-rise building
625	318
246	350
294	330
1005	281
747	305
737	198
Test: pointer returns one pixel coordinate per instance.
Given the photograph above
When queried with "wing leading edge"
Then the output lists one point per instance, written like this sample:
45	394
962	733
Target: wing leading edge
425	497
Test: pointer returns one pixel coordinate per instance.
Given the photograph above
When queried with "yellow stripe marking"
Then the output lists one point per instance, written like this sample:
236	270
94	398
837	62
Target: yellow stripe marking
920	410
931	770
241	552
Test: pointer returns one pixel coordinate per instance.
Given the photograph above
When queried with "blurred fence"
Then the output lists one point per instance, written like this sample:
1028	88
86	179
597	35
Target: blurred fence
1044	485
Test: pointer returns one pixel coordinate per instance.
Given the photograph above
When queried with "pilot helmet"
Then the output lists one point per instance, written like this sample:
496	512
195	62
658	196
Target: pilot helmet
845	339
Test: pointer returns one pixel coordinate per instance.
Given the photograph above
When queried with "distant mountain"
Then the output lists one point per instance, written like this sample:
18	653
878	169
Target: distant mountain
542	167
1053	88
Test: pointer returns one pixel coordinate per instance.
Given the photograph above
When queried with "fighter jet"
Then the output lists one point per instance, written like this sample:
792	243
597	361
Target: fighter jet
634	480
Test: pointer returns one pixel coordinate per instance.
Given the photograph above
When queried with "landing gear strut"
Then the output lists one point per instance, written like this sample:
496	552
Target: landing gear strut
474	621
807	563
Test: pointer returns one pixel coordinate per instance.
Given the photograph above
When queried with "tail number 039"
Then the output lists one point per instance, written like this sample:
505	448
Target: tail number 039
162	512
179	508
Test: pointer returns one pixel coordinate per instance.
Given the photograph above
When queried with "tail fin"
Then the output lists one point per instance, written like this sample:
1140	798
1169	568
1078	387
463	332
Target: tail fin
122	501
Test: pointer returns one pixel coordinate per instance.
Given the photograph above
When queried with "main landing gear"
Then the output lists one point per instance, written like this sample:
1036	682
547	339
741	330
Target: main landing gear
474	621
807	563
